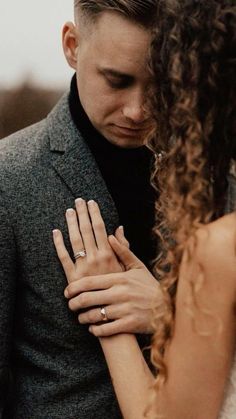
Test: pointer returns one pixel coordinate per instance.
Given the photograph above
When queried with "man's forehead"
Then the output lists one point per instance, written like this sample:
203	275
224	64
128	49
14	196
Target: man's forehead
120	50
120	55
116	25
123	63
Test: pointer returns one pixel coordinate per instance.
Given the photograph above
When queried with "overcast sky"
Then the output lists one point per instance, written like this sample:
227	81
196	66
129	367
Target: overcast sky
30	41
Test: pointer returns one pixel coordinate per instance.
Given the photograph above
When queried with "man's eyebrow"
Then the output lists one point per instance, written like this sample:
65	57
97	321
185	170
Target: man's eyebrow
115	73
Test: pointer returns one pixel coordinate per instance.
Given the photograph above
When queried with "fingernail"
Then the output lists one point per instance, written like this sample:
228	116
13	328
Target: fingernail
80	320
70	211
121	228
66	294
91	202
79	201
55	233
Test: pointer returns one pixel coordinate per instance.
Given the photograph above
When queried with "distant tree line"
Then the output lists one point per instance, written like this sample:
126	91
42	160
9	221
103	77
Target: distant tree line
23	106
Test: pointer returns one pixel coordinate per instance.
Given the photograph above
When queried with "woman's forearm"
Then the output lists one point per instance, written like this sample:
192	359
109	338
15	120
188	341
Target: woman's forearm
131	377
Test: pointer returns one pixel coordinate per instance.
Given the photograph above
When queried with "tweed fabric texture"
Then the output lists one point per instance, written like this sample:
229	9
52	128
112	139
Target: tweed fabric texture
231	197
58	367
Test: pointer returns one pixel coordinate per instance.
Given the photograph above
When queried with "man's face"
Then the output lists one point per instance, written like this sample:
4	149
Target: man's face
112	78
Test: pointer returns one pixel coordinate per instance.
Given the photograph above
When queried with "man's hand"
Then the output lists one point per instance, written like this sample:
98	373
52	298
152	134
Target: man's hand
128	297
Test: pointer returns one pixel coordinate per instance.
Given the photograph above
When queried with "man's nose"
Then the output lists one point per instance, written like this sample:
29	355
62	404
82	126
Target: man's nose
134	109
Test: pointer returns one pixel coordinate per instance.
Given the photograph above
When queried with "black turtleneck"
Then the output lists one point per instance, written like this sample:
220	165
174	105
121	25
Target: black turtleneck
126	173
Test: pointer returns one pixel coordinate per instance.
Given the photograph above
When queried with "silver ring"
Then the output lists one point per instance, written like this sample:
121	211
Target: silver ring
80	254
103	314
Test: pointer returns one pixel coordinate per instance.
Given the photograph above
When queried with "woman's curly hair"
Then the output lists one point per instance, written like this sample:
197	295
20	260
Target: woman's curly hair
193	60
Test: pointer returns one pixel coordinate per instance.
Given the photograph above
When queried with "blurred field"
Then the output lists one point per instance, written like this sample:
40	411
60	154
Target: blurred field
24	105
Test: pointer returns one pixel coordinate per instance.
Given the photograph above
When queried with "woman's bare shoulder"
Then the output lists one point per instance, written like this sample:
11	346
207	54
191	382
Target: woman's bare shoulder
212	251
216	243
219	234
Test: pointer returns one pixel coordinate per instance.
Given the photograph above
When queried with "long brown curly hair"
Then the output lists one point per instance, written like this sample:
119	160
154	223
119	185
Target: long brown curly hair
193	60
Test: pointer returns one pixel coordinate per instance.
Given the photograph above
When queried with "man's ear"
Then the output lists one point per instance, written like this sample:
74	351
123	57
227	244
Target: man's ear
70	43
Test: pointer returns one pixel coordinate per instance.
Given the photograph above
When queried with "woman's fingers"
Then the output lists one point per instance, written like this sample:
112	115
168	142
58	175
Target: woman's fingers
128	258
112	328
119	235
98	225
73	229
62	254
85	226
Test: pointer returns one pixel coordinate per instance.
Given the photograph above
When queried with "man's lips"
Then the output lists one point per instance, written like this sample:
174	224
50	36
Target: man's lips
129	130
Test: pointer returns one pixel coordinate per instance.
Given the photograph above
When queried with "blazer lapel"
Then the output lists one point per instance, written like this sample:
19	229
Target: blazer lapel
75	164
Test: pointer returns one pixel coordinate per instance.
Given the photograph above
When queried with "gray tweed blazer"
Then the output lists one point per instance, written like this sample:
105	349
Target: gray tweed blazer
231	196
58	367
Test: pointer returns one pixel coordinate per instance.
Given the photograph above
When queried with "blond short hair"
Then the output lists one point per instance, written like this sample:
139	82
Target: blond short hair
141	12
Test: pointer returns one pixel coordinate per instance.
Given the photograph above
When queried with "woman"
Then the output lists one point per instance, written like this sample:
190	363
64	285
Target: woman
193	348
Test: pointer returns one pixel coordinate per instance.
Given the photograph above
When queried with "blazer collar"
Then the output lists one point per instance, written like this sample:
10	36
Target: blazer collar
75	164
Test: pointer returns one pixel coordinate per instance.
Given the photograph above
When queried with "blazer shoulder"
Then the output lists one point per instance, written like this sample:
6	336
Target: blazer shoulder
30	143
19	147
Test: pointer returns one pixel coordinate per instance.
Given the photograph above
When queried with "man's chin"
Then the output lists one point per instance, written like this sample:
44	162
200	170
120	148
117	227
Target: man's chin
120	141
126	142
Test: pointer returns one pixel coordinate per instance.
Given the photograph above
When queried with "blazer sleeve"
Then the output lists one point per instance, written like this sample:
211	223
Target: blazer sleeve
8	274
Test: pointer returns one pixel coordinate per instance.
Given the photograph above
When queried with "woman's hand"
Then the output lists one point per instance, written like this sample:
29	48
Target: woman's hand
128	297
89	242
98	281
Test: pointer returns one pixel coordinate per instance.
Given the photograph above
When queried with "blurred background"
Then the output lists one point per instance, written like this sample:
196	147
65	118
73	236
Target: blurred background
33	70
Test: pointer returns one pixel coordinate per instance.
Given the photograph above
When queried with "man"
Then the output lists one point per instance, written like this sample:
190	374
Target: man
90	146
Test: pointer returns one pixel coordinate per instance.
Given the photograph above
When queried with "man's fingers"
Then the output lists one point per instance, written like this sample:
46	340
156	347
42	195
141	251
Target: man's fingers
113	312
92	299
129	260
62	253
92	283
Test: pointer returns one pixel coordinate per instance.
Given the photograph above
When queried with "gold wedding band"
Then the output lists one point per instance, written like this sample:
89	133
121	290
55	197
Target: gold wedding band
103	314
